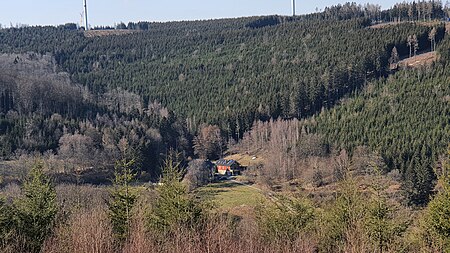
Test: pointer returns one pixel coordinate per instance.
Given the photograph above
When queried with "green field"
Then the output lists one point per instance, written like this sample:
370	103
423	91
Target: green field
229	195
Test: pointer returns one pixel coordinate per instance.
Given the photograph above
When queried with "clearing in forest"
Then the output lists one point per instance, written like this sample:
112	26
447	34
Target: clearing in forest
384	25
102	33
418	60
246	160
431	23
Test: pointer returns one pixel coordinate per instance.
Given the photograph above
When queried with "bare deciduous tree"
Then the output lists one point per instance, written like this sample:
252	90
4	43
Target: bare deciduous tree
409	43
415	42
77	149
199	173
432	38
208	144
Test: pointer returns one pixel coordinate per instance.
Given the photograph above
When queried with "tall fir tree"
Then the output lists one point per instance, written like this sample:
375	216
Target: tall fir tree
418	181
35	212
439	209
123	198
174	208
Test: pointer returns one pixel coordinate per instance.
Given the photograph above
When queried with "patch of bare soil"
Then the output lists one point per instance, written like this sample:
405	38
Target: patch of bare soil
432	23
101	33
418	60
383	25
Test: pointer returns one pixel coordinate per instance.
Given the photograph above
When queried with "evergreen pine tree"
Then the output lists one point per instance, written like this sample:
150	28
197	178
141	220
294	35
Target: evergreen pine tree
35	212
174	207
344	215
123	198
379	222
394	56
432	38
439	209
285	220
409	43
418	181
415	41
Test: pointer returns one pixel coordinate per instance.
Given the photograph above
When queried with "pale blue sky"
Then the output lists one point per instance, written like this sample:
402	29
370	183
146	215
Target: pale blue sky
108	12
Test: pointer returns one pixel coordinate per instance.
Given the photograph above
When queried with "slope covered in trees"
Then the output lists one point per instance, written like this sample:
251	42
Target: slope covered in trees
401	115
227	72
407	104
43	112
404	117
326	183
398	125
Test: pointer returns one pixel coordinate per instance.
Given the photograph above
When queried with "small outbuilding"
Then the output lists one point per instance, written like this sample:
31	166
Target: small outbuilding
228	167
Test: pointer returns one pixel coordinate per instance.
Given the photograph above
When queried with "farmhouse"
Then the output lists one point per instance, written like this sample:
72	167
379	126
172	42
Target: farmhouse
228	167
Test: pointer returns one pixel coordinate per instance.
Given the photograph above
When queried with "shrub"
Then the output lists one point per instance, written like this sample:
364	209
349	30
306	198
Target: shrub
381	226
6	222
317	179
342	217
438	213
86	230
284	221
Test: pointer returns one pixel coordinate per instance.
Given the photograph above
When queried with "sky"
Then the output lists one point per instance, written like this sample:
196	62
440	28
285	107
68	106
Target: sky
109	12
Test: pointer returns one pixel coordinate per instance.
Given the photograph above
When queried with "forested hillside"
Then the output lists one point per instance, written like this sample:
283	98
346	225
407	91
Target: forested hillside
225	72
109	139
404	115
228	72
399	124
406	118
43	112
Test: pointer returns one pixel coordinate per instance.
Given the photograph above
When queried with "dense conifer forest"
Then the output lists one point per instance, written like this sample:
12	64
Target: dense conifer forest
404	117
225	72
230	73
108	140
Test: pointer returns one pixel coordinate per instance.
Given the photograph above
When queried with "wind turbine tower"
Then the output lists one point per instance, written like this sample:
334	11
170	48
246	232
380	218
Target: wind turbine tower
81	19
293	8
86	25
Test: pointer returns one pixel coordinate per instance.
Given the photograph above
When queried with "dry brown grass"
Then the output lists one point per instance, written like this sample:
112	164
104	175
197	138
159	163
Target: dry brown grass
384	25
419	60
247	159
87	231
423	23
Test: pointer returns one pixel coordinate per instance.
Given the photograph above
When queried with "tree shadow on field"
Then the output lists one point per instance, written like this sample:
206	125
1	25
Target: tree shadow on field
223	185
209	192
